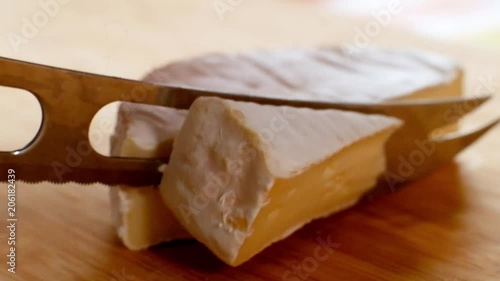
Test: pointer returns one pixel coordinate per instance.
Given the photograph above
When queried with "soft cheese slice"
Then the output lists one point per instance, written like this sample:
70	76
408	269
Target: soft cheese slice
242	176
140	216
331	74
145	131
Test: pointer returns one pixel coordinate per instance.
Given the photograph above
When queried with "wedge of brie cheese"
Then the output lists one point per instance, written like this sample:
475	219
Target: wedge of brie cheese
242	176
140	216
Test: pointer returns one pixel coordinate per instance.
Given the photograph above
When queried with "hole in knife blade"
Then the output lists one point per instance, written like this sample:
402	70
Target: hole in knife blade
102	129
20	118
134	130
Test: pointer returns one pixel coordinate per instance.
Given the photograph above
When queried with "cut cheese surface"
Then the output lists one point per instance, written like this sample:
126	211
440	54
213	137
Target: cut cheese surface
329	74
242	176
141	218
140	215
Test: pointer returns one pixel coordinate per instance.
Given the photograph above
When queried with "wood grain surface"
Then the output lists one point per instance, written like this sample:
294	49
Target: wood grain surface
445	227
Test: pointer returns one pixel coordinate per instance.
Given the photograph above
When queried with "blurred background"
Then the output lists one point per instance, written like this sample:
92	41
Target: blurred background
476	22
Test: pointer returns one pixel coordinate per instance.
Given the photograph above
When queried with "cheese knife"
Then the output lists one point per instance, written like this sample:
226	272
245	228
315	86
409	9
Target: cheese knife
61	151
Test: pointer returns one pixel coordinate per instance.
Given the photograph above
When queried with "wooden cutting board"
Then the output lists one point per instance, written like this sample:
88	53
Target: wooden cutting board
444	227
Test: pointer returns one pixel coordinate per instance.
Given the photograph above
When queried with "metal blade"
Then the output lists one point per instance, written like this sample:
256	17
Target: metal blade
61	151
69	99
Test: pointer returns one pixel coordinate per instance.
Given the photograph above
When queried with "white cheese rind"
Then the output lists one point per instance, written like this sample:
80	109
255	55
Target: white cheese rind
327	74
229	154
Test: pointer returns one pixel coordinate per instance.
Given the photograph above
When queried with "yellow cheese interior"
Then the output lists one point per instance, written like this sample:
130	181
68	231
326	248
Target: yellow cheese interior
330	186
143	219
